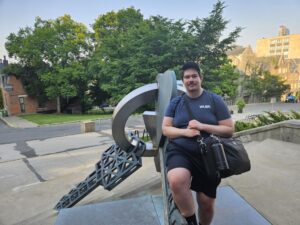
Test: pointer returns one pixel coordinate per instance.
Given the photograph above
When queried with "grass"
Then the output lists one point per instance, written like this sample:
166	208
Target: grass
43	119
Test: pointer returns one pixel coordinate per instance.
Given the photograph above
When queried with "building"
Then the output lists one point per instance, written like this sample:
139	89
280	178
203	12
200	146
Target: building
15	99
280	55
285	44
242	58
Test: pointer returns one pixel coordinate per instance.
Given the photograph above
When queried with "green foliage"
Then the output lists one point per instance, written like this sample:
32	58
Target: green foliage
262	83
295	115
273	86
52	57
266	119
59	58
225	80
100	111
240	104
278	116
131	54
43	119
262	120
242	125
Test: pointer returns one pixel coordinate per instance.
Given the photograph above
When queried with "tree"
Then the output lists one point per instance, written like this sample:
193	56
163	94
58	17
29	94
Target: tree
131	51
56	51
209	49
262	83
132	55
272	85
226	80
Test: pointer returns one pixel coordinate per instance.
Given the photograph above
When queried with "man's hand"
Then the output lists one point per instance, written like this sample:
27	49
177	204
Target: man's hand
194	124
191	132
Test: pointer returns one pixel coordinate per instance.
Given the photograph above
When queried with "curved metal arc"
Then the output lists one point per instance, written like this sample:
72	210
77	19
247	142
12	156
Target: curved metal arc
128	105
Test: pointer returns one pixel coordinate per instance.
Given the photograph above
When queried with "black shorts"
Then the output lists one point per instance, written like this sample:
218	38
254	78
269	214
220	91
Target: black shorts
175	158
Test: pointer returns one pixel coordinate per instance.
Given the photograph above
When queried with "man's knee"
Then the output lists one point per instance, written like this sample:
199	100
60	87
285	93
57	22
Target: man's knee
179	179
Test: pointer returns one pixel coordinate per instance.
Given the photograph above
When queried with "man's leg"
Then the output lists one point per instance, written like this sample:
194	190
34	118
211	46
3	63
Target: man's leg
180	181
205	208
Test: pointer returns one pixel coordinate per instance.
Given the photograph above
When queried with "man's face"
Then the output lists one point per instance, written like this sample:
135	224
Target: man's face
192	80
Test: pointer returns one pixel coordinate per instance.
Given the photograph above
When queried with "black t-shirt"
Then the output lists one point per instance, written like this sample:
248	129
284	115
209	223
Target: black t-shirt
208	108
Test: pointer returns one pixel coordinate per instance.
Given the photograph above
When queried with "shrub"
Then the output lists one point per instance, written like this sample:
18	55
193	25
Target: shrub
241	125
262	120
100	111
240	104
295	115
269	118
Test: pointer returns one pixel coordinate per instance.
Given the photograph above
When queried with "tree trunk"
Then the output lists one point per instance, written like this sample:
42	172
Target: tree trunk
58	110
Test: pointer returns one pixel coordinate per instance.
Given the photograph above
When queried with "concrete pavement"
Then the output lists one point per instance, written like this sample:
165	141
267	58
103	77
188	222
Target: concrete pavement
31	183
31	187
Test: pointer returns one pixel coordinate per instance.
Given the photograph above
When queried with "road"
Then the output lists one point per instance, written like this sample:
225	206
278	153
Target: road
259	108
17	143
10	135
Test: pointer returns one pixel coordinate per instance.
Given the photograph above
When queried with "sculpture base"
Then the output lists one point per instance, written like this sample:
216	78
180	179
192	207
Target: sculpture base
231	209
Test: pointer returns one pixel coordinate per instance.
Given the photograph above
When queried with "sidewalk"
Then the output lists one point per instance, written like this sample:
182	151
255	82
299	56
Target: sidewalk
17	122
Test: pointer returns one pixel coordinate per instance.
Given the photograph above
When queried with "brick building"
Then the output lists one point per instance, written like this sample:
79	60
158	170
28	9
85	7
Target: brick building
15	99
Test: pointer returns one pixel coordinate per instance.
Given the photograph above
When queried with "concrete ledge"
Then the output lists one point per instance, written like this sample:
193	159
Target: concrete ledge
87	126
288	131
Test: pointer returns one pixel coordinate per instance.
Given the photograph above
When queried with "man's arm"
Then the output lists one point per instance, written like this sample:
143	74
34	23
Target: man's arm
173	132
225	128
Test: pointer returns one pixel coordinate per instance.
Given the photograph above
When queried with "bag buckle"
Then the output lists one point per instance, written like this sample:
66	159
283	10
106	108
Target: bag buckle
202	145
215	138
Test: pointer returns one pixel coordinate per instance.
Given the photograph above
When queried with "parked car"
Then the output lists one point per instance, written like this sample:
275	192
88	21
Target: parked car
290	98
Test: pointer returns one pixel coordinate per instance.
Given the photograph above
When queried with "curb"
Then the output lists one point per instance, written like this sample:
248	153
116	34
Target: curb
7	123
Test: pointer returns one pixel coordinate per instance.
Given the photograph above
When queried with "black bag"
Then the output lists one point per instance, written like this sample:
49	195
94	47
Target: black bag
221	157
224	157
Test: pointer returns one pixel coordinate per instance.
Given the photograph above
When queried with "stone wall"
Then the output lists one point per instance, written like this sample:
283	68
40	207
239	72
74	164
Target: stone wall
285	131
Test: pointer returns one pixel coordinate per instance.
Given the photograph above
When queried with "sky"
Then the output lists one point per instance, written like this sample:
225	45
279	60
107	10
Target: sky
259	18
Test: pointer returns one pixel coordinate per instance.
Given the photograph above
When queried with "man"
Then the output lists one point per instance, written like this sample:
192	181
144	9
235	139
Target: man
211	117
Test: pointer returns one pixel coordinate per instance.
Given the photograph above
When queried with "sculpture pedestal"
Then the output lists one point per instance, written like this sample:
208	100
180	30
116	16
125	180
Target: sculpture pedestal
231	209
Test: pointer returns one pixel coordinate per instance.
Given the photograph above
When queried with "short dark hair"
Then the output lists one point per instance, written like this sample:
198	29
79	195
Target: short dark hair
190	65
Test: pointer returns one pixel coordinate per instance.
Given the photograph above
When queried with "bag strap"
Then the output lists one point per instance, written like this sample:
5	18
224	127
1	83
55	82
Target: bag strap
212	98
185	100
191	116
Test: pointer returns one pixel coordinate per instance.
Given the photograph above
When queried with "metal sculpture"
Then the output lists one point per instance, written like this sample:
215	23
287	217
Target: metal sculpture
125	157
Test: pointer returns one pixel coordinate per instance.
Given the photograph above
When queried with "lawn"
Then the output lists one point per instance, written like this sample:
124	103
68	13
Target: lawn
43	119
